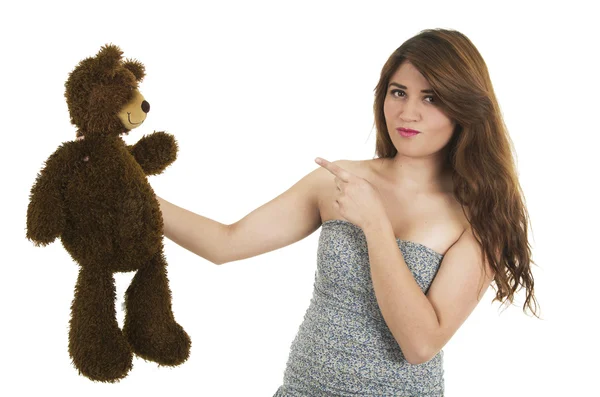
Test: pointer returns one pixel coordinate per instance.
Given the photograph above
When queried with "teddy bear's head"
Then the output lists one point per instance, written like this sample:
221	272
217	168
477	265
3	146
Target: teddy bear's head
102	94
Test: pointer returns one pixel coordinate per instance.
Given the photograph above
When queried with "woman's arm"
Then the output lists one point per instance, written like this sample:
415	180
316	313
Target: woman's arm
286	219
202	236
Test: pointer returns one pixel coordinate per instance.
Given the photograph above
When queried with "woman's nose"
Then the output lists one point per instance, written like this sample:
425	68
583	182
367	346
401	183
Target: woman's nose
145	106
408	112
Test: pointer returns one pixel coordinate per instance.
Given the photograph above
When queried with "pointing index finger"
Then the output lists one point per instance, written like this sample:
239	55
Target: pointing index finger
334	169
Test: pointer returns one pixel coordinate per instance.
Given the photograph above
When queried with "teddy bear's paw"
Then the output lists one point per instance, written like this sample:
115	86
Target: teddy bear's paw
167	344
109	361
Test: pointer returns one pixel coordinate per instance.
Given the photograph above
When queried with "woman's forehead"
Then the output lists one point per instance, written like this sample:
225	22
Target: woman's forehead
409	76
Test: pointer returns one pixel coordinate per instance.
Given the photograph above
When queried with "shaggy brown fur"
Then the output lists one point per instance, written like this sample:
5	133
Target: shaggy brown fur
94	195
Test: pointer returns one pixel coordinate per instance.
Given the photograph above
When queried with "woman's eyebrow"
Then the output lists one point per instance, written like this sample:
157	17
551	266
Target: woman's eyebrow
404	88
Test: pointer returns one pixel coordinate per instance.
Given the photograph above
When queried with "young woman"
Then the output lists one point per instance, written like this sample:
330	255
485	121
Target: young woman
410	241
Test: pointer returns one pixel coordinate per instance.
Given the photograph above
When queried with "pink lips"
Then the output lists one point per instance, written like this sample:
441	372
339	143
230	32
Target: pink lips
407	131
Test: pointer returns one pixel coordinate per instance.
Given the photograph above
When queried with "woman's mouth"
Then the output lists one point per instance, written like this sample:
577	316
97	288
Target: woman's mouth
407	132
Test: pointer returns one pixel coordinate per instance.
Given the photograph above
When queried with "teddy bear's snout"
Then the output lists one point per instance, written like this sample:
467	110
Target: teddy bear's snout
145	106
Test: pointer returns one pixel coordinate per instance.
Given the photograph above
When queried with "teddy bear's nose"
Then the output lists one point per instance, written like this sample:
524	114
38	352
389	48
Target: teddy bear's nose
145	106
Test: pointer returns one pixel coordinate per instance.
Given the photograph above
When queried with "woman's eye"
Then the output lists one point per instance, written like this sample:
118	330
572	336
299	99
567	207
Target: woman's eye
402	92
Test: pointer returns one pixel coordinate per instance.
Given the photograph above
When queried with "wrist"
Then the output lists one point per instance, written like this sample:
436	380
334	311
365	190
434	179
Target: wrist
379	225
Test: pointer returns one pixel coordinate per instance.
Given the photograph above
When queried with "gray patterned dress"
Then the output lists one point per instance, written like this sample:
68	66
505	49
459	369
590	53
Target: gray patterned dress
343	346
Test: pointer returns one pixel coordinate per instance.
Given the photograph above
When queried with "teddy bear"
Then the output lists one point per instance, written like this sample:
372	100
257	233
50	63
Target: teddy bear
93	193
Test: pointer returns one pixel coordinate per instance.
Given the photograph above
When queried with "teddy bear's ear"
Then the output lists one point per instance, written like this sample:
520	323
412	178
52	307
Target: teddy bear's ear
109	57
135	67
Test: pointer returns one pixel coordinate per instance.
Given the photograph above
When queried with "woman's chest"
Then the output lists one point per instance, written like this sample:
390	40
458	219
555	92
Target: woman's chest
433	220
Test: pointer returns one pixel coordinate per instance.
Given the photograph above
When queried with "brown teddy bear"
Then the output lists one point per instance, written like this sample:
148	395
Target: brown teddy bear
94	195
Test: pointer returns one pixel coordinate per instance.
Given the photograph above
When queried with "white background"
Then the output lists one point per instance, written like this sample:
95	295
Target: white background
253	92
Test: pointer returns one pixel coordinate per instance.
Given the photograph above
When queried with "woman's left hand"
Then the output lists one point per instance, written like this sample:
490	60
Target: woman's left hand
356	199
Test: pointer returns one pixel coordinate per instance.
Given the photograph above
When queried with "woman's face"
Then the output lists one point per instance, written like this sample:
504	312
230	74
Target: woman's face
405	106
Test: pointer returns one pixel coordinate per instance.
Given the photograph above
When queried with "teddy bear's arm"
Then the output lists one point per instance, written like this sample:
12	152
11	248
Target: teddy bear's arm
45	213
154	152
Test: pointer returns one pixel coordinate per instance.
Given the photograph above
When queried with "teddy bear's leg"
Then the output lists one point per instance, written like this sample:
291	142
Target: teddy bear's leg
149	324
96	344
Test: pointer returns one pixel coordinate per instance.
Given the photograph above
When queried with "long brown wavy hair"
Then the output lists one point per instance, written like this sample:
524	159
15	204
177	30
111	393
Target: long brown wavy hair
480	152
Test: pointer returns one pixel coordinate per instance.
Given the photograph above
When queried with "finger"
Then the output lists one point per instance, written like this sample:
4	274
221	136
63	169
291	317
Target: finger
338	181
334	169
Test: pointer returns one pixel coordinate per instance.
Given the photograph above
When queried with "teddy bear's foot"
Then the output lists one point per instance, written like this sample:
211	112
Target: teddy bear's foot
96	344
165	343
108	361
150	327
